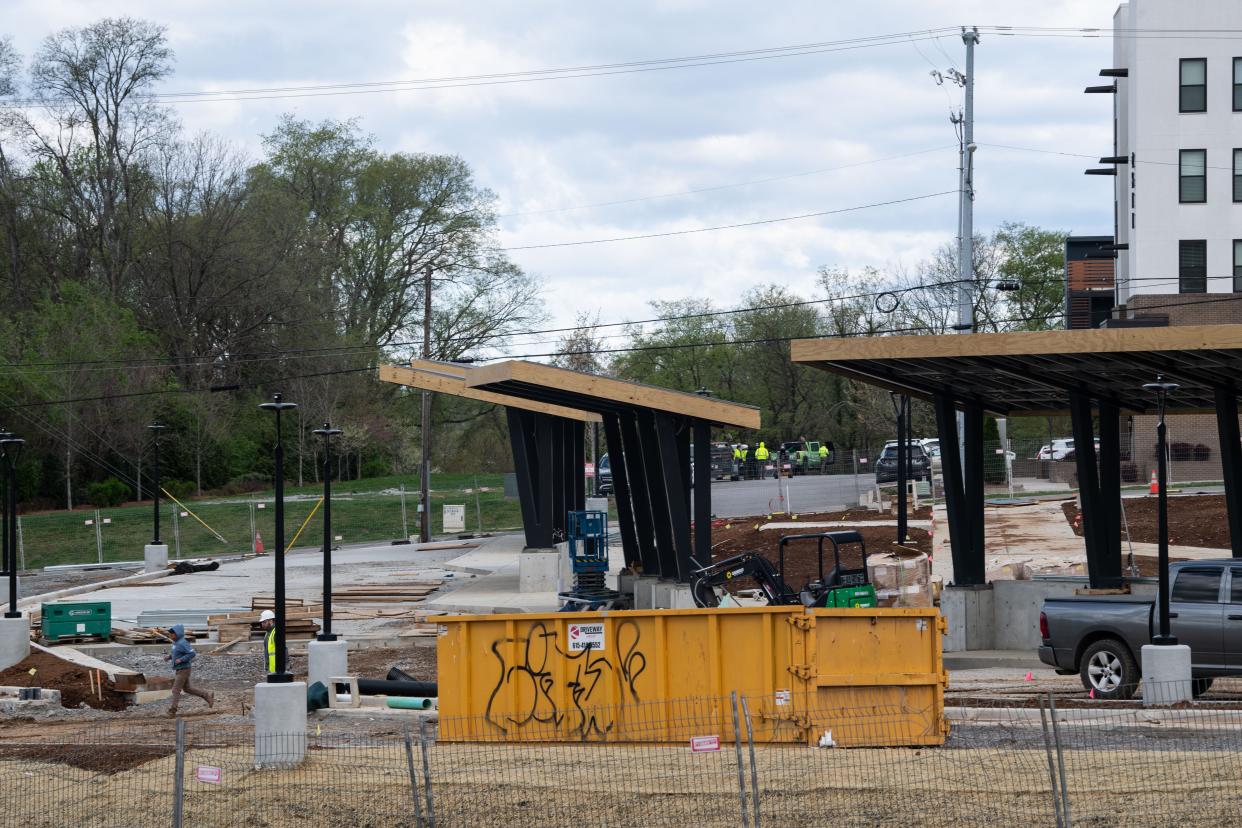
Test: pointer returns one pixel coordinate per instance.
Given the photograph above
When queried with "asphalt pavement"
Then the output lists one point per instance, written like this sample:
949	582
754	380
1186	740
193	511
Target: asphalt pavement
809	493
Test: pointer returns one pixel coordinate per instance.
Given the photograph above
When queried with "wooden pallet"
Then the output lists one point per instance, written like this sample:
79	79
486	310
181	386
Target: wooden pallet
264	602
410	592
71	639
138	636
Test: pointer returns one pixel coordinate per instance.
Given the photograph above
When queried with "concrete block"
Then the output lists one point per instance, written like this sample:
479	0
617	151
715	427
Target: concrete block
669	595
644	588
14	641
325	659
11	702
279	724
1166	674
539	570
154	557
354	695
597	504
970	618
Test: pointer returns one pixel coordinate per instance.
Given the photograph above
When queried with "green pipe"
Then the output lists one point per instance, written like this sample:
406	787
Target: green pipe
409	703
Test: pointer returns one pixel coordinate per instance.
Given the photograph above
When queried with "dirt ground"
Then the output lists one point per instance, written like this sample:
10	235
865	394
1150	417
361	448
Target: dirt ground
740	535
57	674
1194	520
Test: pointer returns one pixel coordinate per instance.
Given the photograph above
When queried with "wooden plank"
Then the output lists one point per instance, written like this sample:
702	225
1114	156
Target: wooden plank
610	390
455	387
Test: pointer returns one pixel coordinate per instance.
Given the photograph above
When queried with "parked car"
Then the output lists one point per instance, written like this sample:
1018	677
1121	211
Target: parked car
918	463
932	447
603	476
1060	449
1101	638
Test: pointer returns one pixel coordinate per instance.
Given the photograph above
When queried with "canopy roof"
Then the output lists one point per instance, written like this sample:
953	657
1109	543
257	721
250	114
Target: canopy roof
449	378
588	392
1035	372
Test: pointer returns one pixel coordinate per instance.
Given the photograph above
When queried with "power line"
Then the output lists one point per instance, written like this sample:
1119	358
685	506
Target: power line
756	223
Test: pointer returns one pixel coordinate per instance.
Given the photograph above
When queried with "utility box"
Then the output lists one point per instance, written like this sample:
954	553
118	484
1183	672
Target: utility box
69	620
872	676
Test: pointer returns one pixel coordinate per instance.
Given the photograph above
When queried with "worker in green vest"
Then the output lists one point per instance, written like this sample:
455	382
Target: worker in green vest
267	621
761	458
823	455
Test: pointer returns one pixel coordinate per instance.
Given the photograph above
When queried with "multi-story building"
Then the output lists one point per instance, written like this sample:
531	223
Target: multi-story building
1177	72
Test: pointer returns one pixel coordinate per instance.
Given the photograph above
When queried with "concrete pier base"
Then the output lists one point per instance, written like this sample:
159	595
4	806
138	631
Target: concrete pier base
279	723
669	595
539	570
970	618
154	557
14	641
644	586
325	659
1166	674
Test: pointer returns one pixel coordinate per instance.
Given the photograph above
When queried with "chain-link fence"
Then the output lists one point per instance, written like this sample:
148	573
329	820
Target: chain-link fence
708	762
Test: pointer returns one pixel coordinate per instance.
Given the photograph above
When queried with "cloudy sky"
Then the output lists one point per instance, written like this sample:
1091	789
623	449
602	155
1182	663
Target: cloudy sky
835	129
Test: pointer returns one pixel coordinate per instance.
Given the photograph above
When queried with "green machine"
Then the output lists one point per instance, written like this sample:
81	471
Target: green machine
78	619
840	587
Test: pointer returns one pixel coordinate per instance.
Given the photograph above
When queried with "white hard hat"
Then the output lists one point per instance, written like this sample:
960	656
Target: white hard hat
267	615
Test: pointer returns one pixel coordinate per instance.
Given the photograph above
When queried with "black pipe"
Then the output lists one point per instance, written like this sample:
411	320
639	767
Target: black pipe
399	675
382	687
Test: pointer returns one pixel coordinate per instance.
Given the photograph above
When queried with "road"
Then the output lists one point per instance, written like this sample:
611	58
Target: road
812	493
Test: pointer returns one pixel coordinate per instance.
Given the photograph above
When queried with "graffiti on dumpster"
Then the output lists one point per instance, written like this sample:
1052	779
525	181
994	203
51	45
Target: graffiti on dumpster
588	666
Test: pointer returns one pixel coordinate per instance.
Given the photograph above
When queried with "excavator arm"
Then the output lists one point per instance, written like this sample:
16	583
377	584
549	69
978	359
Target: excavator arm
746	565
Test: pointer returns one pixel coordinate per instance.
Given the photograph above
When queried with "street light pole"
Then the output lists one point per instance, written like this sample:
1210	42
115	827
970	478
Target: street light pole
327	433
11	447
424	468
1162	390
155	428
281	675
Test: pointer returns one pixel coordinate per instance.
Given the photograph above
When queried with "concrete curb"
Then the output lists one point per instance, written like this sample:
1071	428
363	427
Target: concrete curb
85	588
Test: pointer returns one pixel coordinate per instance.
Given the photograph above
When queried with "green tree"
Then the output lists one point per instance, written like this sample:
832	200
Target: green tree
1035	259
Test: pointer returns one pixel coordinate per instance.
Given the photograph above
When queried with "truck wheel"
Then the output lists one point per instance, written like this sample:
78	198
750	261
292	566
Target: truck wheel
1108	669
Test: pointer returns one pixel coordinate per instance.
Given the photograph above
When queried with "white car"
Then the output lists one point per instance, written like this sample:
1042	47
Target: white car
1058	449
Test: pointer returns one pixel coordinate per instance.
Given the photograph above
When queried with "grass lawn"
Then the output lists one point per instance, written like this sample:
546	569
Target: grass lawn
362	510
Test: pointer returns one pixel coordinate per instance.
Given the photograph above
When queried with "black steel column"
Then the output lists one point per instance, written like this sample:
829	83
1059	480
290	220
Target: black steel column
702	493
562	479
1230	460
621	489
972	506
327	433
1088	486
577	430
901	404
951	471
666	548
533	481
674	470
281	675
10	447
1110	493
155	429
640	492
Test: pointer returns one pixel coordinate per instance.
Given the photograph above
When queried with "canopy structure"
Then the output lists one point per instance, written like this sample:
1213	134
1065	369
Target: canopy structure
648	430
1081	372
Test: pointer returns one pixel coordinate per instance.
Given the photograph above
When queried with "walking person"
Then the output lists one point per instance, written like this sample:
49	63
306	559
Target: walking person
182	656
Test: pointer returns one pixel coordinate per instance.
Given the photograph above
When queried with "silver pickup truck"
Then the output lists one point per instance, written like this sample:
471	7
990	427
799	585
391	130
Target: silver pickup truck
1101	638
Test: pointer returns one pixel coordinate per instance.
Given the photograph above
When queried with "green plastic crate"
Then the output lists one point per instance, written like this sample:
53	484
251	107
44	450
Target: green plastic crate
86	618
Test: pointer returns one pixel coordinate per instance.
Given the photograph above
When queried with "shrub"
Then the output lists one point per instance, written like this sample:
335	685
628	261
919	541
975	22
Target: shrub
179	489
248	482
1129	473
1202	452
110	492
1180	451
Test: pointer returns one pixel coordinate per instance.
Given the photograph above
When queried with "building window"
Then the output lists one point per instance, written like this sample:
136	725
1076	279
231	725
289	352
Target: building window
1237	84
1237	266
1192	168
1237	175
1193	92
1192	266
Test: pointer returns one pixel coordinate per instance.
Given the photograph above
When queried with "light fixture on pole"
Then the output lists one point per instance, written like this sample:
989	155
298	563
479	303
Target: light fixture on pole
281	674
156	428
327	433
1162	390
11	447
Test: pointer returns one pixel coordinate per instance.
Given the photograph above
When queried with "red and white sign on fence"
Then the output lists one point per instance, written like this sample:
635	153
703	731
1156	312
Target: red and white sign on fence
208	774
704	744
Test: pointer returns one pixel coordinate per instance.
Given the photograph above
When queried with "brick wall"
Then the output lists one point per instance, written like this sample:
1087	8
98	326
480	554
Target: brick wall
1189	308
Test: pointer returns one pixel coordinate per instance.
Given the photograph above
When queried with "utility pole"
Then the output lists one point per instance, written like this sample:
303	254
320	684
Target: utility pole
424	469
966	223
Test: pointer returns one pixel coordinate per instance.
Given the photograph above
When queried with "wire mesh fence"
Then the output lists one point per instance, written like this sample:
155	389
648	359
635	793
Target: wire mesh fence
735	761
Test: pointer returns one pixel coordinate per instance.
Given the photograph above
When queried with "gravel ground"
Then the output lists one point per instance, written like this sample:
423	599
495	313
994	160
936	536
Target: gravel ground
41	582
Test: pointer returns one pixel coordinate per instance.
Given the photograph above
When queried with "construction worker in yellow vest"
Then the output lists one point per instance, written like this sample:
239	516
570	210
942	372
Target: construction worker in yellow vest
823	455
267	620
761	458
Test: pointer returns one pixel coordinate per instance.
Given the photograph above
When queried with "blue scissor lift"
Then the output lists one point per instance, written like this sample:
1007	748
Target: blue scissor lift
588	559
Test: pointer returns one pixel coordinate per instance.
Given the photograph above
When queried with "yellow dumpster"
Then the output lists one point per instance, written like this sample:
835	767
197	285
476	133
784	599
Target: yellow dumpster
870	676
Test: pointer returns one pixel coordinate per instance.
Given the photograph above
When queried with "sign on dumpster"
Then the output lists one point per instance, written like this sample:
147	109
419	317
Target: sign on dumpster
454	518
704	744
582	636
208	774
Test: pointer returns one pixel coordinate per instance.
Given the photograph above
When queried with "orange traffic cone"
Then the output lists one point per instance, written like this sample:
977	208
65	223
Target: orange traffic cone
1155	485
258	543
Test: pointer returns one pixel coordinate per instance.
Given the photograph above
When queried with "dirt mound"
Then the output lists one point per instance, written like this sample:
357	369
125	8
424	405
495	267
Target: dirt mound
1194	520
96	758
57	674
740	535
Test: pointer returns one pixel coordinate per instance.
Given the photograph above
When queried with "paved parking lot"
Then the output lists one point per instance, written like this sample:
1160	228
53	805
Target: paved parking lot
812	493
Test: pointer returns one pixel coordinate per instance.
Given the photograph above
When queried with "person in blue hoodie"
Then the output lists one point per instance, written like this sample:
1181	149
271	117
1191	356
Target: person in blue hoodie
182	656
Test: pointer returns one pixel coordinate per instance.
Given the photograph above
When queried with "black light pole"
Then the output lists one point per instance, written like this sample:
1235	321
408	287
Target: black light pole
1162	390
327	433
901	408
11	447
282	675
155	428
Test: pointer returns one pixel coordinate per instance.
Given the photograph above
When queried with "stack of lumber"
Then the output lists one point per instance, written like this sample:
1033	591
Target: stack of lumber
299	623
398	593
138	635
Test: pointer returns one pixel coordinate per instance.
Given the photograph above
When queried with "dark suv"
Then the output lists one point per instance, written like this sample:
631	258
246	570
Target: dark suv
918	464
